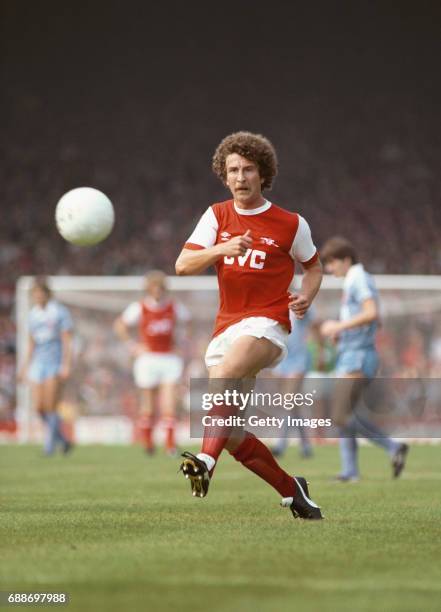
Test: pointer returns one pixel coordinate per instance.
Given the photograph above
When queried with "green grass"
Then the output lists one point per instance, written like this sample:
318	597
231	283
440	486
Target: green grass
118	530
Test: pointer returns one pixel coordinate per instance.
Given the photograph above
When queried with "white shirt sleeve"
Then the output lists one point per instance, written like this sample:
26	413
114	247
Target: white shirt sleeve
362	288
132	314
182	313
205	232
66	323
302	248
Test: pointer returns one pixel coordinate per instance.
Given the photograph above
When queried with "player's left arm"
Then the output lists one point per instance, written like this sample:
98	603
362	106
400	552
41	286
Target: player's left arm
66	335
23	370
304	251
66	362
368	313
312	279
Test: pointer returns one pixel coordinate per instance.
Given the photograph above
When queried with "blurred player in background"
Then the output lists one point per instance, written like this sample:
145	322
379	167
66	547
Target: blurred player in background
48	361
293	369
357	359
157	368
253	244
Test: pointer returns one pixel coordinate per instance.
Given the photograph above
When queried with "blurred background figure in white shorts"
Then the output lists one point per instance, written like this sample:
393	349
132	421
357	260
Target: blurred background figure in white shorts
157	368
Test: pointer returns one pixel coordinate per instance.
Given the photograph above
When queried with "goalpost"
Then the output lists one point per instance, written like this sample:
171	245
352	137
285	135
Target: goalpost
100	400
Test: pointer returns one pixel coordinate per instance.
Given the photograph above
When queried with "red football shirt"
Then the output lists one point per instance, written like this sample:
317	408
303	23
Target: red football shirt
156	327
255	284
156	322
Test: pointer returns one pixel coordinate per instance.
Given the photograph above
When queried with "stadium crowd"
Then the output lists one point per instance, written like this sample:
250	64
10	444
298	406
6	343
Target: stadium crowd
372	174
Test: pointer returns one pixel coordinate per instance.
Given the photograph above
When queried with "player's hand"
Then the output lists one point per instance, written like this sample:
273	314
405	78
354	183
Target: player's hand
299	304
64	372
331	329
136	349
237	245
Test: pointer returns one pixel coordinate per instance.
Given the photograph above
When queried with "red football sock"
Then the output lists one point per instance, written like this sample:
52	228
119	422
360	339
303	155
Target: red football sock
145	426
216	436
255	456
170	426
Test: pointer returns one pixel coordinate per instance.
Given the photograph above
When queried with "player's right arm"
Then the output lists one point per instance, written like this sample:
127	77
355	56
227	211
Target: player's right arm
196	261
122	325
201	251
23	371
121	330
304	251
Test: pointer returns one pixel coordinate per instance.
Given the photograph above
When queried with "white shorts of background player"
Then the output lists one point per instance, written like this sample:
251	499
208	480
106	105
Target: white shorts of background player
153	369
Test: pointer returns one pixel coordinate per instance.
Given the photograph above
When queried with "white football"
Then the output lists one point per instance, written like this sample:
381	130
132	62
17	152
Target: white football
84	216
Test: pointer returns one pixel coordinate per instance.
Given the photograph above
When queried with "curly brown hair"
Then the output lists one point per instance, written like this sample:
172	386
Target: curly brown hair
254	147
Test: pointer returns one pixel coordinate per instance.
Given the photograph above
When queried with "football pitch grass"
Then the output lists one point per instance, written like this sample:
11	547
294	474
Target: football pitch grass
120	531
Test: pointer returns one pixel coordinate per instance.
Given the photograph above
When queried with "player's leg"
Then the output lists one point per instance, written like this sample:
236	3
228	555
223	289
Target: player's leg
361	425
147	380
245	358
397	451
170	368
37	395
38	398
366	428
281	445
293	385
167	402
257	457
347	392
349	459
146	422
305	443
352	424
249	355
51	395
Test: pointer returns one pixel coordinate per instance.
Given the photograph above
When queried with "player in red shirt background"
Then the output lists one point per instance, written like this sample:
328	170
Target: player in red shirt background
156	367
254	245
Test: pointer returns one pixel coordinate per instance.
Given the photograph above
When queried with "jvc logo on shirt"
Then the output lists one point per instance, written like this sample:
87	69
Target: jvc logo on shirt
160	326
254	258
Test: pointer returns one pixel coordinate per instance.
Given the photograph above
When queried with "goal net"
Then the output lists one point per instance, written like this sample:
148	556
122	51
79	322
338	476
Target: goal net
100	400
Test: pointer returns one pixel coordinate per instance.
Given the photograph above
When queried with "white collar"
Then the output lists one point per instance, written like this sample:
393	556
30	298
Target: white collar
252	211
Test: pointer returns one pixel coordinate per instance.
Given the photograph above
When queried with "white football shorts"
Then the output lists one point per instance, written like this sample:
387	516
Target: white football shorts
153	369
259	327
